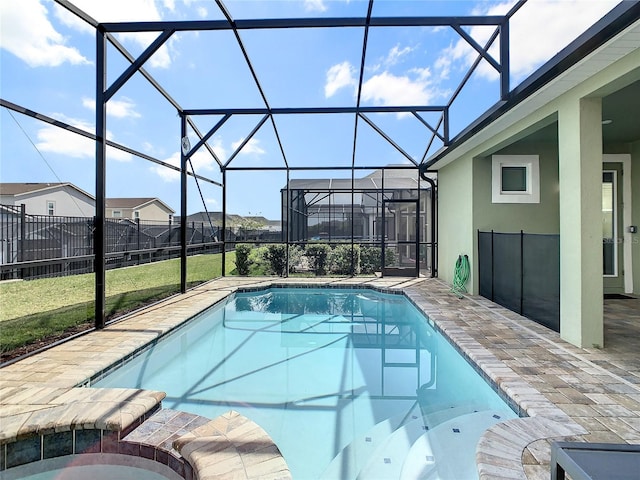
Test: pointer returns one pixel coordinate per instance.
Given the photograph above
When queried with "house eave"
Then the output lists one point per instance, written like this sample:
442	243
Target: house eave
559	75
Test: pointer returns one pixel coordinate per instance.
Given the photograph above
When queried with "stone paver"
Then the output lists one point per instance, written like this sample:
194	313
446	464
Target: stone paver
563	392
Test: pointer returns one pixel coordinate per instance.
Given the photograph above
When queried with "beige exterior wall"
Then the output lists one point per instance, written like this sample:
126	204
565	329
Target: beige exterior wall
68	202
150	212
154	211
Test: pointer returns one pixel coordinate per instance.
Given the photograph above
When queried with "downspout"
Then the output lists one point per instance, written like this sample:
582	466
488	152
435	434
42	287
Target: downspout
434	201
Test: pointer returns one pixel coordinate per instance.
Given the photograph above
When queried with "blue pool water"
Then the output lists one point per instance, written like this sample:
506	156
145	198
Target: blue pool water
348	383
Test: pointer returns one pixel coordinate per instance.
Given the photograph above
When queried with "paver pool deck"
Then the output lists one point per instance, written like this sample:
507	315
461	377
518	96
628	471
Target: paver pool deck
561	392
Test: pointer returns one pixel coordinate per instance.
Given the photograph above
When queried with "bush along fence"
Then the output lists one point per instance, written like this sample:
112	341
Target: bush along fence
35	246
317	258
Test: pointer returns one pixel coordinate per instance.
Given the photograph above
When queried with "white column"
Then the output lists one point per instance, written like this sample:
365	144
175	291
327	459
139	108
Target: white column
580	172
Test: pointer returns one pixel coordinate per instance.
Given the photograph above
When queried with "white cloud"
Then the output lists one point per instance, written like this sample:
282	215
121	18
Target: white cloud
388	89
169	5
339	76
396	54
201	160
56	140
212	202
422	73
251	148
538	30
563	21
202	12
26	32
123	108
315	6
123	11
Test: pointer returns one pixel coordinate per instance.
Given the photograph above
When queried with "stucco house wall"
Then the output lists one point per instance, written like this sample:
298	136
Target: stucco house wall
542	217
455	218
67	201
149	209
570	194
155	211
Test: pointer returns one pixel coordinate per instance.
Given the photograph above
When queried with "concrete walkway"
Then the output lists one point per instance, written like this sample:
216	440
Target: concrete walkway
561	391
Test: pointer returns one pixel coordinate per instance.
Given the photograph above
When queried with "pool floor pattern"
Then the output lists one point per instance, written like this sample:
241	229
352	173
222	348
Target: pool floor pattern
567	392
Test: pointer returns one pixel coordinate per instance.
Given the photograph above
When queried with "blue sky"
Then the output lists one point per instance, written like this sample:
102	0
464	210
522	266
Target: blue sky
47	64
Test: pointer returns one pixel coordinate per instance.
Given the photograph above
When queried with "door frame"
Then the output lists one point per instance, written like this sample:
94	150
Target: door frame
400	271
627	261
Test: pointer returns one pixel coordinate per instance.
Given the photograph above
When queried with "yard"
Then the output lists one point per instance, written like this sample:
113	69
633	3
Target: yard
36	312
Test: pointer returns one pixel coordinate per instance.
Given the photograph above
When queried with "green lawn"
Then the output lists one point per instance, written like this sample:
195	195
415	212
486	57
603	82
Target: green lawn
33	310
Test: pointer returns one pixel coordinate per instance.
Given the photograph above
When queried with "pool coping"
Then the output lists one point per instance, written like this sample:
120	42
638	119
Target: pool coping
503	452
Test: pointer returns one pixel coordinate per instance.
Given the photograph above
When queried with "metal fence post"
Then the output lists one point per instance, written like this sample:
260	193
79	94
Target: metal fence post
521	270
23	230
492	267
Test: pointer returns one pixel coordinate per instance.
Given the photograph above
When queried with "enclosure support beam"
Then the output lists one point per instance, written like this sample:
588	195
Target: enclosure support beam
287	226
224	221
57	123
434	199
387	138
99	221
183	207
504	60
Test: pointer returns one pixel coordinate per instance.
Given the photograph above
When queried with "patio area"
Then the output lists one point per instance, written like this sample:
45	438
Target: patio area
562	392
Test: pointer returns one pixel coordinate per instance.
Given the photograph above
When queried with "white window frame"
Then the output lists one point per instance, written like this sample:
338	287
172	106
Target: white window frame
627	196
532	165
136	214
116	213
51	208
614	223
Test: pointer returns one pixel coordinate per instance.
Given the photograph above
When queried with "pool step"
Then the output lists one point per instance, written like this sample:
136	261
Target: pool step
354	457
453	443
411	451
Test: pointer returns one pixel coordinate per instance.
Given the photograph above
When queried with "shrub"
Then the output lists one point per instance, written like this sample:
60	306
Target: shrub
276	256
389	257
258	263
370	260
342	258
242	258
295	257
317	253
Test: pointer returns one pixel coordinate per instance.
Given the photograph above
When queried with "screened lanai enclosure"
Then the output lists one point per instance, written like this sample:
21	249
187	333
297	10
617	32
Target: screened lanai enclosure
346	163
391	210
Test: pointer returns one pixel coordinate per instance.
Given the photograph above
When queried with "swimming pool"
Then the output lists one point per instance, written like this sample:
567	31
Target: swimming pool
348	383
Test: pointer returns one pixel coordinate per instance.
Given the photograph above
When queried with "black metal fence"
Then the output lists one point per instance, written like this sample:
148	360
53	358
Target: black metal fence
521	271
34	246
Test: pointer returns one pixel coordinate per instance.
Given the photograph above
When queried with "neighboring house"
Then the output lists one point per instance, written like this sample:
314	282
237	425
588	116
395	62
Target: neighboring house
233	221
54	199
214	217
151	209
560	156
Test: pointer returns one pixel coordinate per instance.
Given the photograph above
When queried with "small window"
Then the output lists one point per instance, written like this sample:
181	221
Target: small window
515	179
51	208
136	214
116	213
